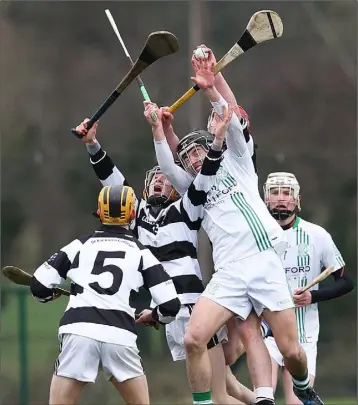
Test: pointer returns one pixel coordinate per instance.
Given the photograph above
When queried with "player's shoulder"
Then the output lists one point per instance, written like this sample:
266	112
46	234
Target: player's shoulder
312	228
82	239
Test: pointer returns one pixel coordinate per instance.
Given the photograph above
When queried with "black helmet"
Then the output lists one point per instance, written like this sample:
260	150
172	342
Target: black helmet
198	137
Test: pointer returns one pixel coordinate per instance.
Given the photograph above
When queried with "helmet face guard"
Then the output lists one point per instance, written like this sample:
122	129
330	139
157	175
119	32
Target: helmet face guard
192	145
282	195
116	205
160	192
213	114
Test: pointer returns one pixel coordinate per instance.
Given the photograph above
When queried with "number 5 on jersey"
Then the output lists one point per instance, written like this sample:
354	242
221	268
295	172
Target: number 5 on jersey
100	268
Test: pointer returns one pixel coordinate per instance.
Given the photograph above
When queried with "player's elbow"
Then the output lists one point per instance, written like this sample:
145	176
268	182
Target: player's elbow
347	284
168	311
39	291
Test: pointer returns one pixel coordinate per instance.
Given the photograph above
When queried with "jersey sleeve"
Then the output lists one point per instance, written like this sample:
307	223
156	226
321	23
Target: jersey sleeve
161	288
177	176
106	171
330	255
54	271
193	201
235	138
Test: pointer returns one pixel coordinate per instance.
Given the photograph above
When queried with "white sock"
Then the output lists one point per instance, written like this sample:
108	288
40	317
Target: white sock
301	384
264	392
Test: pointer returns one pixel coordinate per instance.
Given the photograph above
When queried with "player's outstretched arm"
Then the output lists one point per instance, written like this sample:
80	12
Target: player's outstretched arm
161	288
170	135
53	272
106	171
193	201
205	79
220	83
177	176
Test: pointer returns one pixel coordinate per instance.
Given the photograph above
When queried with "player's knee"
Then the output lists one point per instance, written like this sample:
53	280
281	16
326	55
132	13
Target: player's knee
290	349
194	341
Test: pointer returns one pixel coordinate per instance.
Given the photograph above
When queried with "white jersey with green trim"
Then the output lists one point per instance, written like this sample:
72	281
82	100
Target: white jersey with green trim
310	249
237	220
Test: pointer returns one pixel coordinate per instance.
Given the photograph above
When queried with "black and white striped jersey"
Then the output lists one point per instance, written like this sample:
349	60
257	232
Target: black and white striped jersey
171	233
105	267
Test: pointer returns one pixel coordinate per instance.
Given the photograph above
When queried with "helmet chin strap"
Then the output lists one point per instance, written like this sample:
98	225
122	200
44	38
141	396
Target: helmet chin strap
157	201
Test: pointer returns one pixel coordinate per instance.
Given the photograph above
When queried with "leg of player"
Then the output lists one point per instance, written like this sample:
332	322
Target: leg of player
65	391
275	371
206	319
233	348
235	389
218	384
134	391
258	358
290	397
295	358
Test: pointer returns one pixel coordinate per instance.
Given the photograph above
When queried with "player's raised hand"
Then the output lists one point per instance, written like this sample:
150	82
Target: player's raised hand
302	300
204	72
88	136
153	114
167	118
222	123
207	50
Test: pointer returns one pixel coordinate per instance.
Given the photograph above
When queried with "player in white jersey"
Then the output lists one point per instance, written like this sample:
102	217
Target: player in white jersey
169	229
98	326
239	332
246	242
310	249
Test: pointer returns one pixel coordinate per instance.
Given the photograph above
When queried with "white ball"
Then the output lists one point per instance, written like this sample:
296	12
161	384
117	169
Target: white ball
201	53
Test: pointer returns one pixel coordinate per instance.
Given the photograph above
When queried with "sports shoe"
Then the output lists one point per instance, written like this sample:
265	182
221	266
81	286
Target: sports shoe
308	396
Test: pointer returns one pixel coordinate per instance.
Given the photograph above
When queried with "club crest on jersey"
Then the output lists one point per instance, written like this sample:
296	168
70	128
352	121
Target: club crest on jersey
221	174
302	249
52	258
303	257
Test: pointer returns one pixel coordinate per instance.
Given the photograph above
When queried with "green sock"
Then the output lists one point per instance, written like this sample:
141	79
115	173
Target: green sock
202	398
301	383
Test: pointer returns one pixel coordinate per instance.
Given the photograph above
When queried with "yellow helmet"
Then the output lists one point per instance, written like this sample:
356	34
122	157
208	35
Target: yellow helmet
116	205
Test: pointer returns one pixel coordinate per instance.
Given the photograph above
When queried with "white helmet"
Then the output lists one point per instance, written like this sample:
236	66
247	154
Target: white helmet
282	180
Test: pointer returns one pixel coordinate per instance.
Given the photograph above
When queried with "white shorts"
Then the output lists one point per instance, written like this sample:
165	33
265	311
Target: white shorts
175	332
80	358
255	282
309	348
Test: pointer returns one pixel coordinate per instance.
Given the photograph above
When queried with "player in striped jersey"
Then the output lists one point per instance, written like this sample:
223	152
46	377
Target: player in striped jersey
169	229
98	325
310	249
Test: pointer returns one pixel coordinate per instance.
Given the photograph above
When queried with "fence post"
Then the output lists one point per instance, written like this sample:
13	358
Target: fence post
23	347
